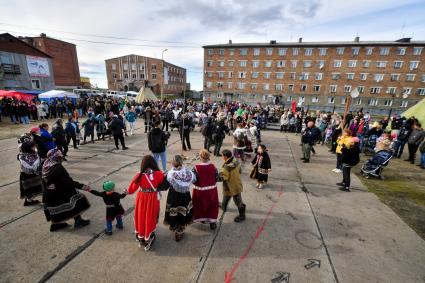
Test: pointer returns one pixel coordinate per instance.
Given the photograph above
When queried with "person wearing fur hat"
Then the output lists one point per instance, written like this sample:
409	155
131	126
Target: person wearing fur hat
30	183
262	166
114	209
178	212
350	158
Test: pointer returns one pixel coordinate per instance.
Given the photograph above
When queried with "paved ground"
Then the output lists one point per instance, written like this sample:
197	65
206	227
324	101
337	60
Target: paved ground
299	216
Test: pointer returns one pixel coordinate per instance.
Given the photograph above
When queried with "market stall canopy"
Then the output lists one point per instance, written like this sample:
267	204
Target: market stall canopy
16	94
146	94
418	111
57	94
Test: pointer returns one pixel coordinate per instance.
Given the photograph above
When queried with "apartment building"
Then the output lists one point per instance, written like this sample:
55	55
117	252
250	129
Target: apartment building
132	72
318	75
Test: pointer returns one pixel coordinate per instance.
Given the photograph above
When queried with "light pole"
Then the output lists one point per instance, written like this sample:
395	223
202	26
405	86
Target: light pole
163	74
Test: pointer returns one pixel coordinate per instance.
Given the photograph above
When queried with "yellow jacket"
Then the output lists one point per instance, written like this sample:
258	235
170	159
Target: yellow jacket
342	140
231	175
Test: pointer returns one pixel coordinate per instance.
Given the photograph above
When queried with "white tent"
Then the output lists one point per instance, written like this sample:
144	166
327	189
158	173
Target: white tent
51	94
145	94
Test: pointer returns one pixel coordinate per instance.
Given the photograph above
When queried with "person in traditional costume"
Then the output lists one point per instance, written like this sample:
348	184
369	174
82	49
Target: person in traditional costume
230	174
178	212
205	194
261	166
114	209
61	199
148	183
30	183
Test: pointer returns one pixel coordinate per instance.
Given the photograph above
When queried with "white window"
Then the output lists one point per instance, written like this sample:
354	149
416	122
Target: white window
332	88
360	89
242	63
401	50
291	87
266	75
307	64
266	86
350	76
254	96
391	90
153	76
253	86
308	51
142	67
369	50
279	86
221	52
221	63
125	76
331	100
254	75
243	51
395	77
340	50
269	51
378	77
255	64
230	75
303	87
242	75
375	90
316	88
423	78
410	77
417	50
337	63
366	63
209	84
303	76
289	98
209	63
336	76
406	90
210	52
231	52
268	64
282	51
292	75
114	66
221	75
294	64
318	76
398	64
153	66
320	64
279	75
230	85
384	50
358	101
219	95
241	85
322	51
403	103
363	76
381	64
295	51
125	67
352	63
142	76
220	84
343	100
231	63
315	99
420	91
355	50
372	101
256	51
35	84
133	67
413	65
347	88
280	64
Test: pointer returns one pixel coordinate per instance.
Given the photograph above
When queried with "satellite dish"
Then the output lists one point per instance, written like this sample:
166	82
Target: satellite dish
405	95
355	93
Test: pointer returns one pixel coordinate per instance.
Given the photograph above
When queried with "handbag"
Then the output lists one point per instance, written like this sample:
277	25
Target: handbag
254	171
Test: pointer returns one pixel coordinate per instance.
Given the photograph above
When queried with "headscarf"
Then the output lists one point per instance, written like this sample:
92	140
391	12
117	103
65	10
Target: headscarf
54	157
181	179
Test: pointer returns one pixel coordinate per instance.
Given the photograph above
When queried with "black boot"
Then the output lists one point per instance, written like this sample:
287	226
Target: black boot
224	204
80	222
241	216
58	226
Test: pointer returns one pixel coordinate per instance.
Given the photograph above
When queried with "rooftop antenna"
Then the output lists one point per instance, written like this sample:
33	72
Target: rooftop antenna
402	29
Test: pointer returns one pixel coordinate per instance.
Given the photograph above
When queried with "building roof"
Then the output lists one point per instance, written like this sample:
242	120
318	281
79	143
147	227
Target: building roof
45	37
9	43
144	57
400	42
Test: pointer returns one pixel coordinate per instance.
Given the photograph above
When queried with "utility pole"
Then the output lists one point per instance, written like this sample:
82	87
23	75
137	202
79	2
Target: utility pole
163	74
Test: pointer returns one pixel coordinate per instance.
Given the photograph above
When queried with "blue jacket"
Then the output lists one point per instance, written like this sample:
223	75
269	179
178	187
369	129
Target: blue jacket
48	139
131	117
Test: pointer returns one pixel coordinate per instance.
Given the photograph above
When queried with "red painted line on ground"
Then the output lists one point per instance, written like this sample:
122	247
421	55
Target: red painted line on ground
228	276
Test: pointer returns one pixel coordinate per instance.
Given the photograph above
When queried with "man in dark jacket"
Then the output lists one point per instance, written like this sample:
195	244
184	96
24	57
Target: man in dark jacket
415	139
309	137
59	135
157	142
117	126
350	158
402	138
185	126
207	132
220	133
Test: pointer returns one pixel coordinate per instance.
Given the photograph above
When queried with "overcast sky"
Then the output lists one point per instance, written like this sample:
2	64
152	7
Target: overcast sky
147	27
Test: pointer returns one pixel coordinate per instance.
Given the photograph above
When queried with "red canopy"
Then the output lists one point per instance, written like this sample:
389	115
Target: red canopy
16	94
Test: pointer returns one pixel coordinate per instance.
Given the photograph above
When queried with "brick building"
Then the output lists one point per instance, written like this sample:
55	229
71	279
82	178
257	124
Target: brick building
131	72
318	75
65	60
23	67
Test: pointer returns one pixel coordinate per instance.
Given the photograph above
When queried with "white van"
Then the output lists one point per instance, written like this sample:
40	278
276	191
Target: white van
115	94
87	92
131	95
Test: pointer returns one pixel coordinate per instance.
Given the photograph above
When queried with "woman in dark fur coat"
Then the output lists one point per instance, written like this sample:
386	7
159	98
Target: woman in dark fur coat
262	166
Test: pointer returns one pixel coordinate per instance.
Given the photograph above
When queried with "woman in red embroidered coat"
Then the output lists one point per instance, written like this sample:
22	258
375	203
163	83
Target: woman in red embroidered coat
148	183
205	194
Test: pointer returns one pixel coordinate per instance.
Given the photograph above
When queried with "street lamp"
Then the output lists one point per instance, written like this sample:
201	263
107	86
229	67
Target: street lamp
163	74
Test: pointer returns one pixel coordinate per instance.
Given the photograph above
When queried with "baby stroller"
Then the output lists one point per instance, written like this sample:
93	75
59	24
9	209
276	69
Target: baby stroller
370	144
375	165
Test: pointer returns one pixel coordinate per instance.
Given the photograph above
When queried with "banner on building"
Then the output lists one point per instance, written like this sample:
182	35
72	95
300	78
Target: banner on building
165	75
38	66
